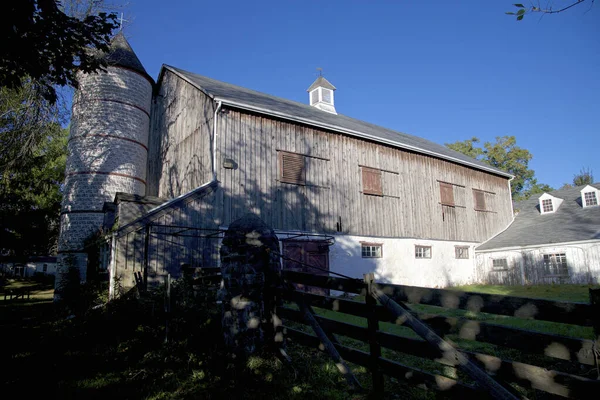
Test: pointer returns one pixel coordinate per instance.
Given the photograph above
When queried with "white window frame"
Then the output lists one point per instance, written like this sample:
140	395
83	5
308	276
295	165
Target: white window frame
318	92
555	264
555	202
503	264
590	190
371	250
422	252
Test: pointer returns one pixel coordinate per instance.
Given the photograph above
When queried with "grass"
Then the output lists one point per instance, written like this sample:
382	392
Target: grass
119	352
569	293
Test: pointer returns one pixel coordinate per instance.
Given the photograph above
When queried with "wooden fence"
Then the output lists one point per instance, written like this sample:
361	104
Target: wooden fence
559	365
541	363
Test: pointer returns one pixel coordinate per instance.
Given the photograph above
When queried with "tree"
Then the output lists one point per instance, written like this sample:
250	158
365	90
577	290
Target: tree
584	177
43	44
30	197
504	154
549	8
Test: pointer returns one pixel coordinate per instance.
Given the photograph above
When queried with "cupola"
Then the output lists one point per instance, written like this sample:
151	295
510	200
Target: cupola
320	95
549	203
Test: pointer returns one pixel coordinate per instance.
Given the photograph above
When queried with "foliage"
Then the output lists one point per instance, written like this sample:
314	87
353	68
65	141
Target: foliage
547	9
30	188
504	154
42	43
584	177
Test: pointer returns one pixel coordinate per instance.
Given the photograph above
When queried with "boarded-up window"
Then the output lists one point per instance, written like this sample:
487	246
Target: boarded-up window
292	168
479	198
371	179
446	194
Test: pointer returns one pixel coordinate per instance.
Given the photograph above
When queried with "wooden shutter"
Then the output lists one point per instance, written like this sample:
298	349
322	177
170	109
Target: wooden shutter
371	179
446	194
292	168
479	197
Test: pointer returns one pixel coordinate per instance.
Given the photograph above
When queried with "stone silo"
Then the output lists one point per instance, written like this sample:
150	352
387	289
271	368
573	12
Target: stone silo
107	148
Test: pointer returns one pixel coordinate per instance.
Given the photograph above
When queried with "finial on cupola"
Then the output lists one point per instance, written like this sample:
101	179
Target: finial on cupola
320	94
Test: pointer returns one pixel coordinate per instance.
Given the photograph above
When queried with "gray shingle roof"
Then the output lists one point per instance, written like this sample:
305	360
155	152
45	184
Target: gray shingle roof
320	81
569	223
121	54
263	103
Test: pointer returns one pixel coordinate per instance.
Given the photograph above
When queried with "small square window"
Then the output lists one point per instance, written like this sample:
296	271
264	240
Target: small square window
326	94
461	252
371	250
590	199
547	205
556	264
45	268
422	251
499	264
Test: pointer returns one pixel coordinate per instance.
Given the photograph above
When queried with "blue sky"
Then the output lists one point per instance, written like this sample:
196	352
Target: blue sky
442	70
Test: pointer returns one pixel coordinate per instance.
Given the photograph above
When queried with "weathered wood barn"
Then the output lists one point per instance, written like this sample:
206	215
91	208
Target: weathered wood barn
344	194
555	238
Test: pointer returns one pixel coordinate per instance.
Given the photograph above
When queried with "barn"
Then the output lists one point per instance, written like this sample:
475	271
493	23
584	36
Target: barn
162	168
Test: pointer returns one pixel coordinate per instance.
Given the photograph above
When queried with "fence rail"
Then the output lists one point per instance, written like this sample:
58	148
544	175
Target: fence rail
545	362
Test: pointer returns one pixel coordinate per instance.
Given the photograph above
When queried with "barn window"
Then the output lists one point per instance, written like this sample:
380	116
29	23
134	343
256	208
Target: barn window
590	199
371	180
446	194
499	264
479	198
555	264
461	252
422	251
292	168
45	268
371	250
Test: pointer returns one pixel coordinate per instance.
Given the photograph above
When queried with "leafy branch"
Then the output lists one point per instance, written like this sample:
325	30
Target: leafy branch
522	10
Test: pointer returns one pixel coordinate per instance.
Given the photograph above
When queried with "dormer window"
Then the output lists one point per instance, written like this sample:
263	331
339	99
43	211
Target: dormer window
547	206
589	196
321	95
549	203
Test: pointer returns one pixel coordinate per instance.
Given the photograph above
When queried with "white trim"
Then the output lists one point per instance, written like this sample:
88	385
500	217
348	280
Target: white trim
590	189
536	246
339	129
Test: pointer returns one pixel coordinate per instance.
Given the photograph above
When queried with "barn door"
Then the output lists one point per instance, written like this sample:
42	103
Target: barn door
307	252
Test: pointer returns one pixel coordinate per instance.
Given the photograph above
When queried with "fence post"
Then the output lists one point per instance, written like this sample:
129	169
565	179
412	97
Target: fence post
373	327
595	302
167	305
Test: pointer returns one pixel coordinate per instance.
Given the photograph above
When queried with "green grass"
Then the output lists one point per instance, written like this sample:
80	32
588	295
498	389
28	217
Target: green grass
569	293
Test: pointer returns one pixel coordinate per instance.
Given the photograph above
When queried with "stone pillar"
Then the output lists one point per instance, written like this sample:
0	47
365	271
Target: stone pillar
250	270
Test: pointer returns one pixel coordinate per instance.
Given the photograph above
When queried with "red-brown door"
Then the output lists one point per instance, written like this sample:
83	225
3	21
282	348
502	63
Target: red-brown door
301	255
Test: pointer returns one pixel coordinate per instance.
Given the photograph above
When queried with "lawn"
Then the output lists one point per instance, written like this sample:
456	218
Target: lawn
120	352
570	293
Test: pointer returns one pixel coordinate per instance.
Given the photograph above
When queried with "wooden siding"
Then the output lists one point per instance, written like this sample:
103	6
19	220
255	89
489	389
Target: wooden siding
526	265
179	156
167	252
410	205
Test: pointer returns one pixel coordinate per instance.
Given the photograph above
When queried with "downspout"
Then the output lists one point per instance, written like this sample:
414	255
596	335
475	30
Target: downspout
214	163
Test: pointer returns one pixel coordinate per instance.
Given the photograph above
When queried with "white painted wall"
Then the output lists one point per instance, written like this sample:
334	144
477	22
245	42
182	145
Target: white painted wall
526	264
399	265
